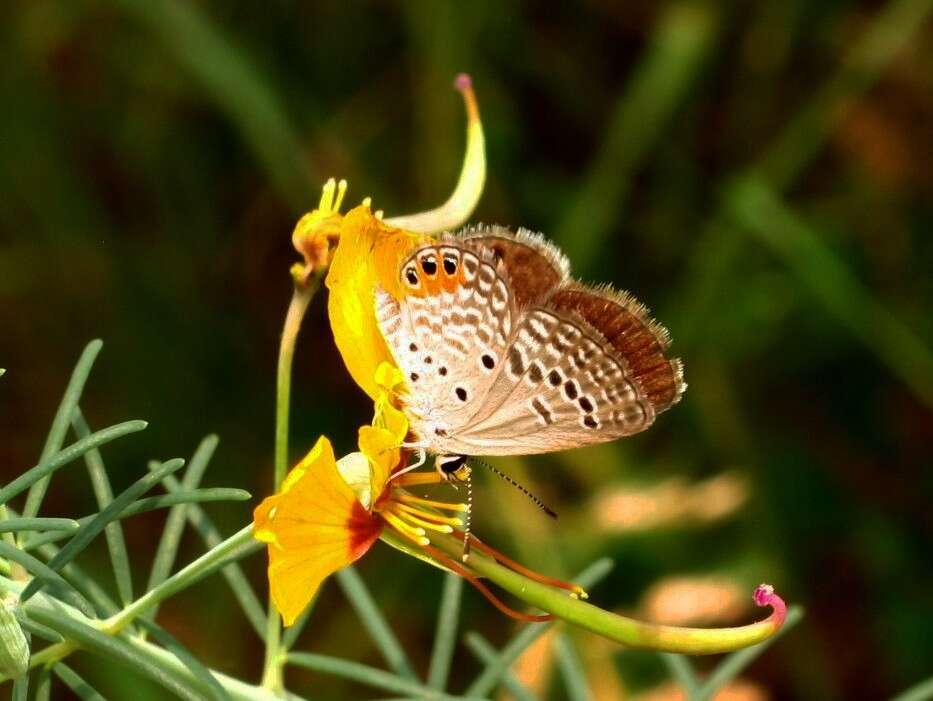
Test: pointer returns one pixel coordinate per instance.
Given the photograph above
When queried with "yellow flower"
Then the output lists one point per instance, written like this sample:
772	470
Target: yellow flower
369	254
329	512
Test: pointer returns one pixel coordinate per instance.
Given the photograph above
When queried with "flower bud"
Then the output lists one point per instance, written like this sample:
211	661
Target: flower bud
14	647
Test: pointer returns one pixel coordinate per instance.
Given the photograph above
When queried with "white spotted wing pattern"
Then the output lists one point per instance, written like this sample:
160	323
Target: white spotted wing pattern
503	354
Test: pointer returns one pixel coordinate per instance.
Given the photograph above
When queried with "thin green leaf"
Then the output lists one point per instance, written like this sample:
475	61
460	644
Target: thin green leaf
232	572
37	629
63	525
374	622
166	640
657	88
20	688
487	654
74	682
59	430
445	635
209	494
363	674
43	573
174	528
733	664
486	681
832	284
62	458
114	649
921	692
682	672
113	532
572	670
43	684
89	588
236	85
90	530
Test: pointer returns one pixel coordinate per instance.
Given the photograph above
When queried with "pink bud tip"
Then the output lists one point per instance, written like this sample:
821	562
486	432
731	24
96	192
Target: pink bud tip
765	596
463	82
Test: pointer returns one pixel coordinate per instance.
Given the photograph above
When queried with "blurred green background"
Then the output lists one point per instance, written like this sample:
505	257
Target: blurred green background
759	174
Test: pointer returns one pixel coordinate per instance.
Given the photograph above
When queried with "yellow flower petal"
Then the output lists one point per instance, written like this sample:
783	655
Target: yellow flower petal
369	254
381	447
314	527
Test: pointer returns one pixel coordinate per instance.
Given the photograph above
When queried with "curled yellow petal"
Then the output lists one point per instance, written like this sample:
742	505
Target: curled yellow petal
461	203
314	527
369	253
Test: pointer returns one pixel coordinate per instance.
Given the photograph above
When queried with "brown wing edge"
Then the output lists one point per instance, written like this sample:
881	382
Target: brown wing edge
629	329
533	265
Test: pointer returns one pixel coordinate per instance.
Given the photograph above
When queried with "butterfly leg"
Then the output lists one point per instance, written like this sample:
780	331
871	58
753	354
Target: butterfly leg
419	461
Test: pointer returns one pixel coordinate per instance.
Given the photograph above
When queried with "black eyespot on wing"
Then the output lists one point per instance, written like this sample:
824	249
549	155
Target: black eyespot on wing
488	362
590	422
411	276
428	360
429	265
461	394
414	376
586	404
450	265
413	347
570	390
554	378
442	370
535	373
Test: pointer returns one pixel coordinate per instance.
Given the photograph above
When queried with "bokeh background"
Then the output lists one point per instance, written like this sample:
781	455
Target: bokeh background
759	174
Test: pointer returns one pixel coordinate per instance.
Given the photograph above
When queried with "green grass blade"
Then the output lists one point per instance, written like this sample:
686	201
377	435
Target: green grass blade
238	88
233	573
681	42
733	664
486	681
374	622
64	525
921	692
572	670
168	641
445	635
682	672
43	685
62	458
43	573
487	654
205	495
113	532
174	528
364	674
89	531
833	285
88	587
59	430
81	688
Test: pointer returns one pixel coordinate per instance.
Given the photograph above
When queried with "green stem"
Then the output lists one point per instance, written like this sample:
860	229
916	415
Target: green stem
301	297
628	631
206	564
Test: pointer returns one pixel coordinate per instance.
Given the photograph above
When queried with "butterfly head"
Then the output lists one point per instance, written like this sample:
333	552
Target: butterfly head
453	468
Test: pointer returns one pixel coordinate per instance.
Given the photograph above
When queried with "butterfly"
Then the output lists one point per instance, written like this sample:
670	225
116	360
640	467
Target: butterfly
503	353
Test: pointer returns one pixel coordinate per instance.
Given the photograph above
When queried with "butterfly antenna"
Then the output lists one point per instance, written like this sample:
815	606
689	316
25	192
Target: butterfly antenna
469	516
540	504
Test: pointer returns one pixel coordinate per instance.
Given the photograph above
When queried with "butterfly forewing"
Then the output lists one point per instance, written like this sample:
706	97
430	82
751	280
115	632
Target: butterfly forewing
449	334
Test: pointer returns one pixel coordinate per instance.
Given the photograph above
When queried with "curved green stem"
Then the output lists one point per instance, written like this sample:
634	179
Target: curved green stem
301	297
628	631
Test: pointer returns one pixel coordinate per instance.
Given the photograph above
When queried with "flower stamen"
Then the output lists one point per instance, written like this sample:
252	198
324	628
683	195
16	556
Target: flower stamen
443	505
428	516
420	522
418	478
413	533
